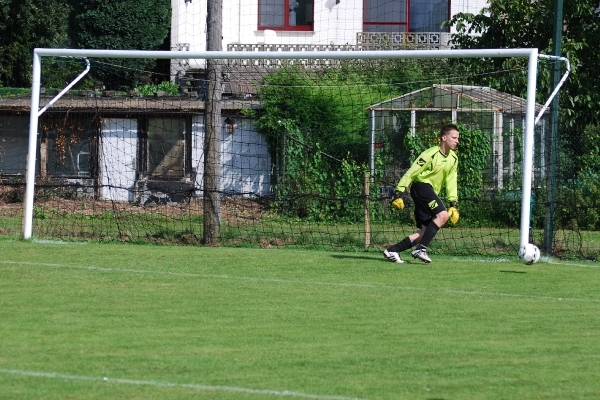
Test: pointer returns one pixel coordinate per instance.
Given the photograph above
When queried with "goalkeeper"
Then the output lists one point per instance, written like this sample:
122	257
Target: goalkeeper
434	168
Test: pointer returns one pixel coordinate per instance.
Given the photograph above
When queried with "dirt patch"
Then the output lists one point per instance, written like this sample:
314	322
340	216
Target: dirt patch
232	209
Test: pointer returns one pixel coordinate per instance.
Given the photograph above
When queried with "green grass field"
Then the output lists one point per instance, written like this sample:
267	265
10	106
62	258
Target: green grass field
118	321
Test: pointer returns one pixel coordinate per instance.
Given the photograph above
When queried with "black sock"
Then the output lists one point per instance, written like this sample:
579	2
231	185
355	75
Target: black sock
430	232
401	246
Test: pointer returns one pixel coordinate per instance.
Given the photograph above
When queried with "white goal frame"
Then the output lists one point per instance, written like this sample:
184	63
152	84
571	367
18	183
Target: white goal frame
530	119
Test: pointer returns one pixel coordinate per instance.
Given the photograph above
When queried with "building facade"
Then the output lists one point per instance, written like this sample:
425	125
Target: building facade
256	25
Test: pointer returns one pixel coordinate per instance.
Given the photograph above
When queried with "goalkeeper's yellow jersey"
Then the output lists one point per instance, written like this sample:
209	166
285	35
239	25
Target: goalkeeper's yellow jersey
435	168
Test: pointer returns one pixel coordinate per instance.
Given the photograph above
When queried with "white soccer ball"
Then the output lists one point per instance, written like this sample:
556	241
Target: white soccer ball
529	253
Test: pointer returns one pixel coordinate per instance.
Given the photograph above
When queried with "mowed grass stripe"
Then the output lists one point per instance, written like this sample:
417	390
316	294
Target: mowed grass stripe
329	324
299	282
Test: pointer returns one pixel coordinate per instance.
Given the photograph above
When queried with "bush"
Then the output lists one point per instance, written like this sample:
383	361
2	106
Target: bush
579	202
149	89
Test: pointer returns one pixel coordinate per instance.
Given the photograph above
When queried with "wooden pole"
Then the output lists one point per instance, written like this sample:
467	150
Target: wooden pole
367	211
212	160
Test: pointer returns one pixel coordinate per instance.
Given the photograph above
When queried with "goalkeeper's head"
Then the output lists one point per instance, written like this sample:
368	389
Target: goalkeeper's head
449	135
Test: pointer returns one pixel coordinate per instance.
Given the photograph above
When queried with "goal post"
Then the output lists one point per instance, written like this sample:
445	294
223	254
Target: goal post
528	127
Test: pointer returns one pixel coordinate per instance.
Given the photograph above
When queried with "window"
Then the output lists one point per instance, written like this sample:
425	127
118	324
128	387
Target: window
66	147
166	148
281	15
405	15
428	15
14	139
385	16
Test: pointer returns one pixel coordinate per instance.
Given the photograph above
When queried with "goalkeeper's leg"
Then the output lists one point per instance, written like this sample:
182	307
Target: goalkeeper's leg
429	233
392	253
406	243
431	213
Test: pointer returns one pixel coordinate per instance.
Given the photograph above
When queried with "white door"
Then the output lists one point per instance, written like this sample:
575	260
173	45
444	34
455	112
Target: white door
198	152
118	155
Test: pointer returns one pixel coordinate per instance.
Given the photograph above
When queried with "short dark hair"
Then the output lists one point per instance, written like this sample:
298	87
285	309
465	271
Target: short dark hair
447	128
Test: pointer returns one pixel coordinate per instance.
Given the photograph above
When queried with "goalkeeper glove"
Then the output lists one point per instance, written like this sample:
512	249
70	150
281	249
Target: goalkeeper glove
397	201
453	214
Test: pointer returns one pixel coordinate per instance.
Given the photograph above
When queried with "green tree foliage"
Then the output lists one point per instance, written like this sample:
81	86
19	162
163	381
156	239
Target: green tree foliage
580	194
57	72
328	108
407	75
25	25
315	187
323	120
529	24
123	24
323	116
93	24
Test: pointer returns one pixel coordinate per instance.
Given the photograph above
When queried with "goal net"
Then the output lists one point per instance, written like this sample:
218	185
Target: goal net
297	149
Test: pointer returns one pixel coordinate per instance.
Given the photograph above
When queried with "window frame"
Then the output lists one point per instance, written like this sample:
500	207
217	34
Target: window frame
47	138
406	24
286	20
144	142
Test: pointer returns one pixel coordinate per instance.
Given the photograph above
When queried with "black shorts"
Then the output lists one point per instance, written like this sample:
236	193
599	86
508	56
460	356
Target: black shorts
427	203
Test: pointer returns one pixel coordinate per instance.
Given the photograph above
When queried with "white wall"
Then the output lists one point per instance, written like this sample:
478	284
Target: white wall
198	151
245	159
333	24
118	158
188	26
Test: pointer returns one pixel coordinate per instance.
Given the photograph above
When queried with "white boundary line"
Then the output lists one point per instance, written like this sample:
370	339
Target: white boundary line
136	382
553	262
543	260
292	281
481	259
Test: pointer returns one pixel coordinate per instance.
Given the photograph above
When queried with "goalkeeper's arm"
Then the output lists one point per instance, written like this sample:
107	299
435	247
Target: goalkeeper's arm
452	186
422	162
452	191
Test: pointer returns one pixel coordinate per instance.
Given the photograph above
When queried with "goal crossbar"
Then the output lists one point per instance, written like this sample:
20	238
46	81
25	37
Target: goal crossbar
531	54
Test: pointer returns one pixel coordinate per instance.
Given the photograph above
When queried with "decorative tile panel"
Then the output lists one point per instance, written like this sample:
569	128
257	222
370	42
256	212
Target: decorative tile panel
364	41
